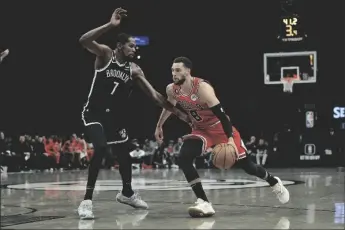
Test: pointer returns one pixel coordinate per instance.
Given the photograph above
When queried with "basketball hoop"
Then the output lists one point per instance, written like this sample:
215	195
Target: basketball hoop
288	83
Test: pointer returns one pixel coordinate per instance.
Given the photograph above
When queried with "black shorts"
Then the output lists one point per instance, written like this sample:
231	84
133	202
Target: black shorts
113	131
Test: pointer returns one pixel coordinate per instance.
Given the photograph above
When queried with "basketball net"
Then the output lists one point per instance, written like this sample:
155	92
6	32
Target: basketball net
288	83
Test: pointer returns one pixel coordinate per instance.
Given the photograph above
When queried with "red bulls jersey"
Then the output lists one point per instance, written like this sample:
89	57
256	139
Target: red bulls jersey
200	114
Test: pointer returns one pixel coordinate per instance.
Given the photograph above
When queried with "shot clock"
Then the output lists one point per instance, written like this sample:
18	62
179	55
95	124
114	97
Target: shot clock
291	29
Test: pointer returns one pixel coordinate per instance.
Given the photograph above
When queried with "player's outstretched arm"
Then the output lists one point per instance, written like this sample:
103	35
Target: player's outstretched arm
139	78
4	54
164	115
208	96
88	40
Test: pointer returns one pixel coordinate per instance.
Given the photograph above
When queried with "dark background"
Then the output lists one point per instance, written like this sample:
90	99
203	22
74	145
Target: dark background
46	77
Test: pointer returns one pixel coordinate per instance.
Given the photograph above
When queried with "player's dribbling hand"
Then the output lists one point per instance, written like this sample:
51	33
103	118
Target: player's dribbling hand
232	143
118	14
159	135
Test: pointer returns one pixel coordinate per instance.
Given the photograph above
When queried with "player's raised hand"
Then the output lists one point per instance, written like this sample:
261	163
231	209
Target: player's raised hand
118	14
4	54
159	135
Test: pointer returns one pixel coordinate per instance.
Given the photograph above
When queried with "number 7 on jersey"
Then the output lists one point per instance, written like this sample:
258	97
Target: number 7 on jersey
115	86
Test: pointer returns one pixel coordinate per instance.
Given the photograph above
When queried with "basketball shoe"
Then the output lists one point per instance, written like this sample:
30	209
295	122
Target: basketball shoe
282	193
201	209
135	200
85	210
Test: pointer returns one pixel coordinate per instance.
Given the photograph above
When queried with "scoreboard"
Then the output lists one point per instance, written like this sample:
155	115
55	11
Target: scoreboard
291	29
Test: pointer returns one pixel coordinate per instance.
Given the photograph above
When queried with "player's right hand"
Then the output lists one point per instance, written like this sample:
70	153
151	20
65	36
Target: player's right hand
159	135
118	14
232	143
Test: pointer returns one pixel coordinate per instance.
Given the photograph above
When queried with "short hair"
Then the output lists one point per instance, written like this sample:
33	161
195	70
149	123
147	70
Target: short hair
186	62
123	38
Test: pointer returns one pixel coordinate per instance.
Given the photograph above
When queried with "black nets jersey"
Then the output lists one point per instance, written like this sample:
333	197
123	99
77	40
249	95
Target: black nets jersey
110	89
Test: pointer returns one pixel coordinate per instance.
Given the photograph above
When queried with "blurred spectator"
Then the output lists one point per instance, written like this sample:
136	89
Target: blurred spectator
149	149
176	152
137	156
50	152
251	148
261	152
90	151
68	153
158	160
22	152
169	154
2	152
178	146
82	150
10	156
42	162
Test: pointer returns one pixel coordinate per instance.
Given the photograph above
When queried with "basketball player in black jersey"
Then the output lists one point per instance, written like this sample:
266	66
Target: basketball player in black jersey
104	113
4	54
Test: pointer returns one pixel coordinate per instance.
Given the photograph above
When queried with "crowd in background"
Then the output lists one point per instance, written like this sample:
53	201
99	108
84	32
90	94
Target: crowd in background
44	153
25	153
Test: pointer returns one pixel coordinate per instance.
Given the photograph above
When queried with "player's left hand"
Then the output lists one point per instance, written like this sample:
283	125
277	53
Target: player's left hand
4	54
118	14
232	143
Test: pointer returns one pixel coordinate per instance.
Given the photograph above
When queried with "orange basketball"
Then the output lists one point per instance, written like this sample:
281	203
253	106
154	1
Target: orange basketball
224	156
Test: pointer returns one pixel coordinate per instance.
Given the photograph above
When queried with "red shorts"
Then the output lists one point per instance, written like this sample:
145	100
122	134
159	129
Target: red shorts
214	135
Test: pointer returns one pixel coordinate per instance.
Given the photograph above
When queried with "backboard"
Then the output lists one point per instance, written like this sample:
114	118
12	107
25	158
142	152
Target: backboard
290	67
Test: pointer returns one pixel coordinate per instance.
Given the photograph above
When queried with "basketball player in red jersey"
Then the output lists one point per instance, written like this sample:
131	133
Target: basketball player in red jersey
211	126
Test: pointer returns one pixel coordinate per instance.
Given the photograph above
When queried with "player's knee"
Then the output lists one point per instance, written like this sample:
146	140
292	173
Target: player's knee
98	156
189	151
124	158
184	161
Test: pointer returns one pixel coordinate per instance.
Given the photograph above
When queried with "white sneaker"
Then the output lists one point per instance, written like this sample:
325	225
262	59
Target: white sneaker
282	193
201	209
135	200
85	210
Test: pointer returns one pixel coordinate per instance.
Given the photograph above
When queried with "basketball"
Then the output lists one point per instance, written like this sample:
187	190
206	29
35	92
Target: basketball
224	156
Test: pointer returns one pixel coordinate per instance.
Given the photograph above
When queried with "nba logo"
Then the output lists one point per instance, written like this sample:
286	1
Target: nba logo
309	149
309	119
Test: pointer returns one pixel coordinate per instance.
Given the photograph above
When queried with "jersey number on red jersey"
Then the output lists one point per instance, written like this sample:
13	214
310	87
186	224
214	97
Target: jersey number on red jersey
195	115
